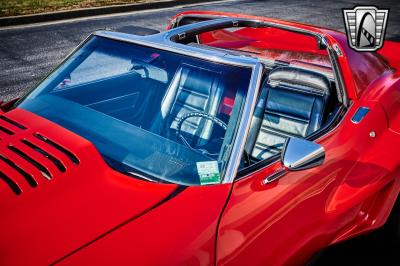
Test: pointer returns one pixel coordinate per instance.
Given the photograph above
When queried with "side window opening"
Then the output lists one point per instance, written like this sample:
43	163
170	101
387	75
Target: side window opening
298	96
293	102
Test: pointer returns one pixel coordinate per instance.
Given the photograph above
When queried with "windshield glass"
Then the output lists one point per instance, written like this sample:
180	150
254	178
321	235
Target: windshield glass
152	114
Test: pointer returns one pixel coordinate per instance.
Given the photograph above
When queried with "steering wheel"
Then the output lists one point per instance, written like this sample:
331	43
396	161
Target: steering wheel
180	136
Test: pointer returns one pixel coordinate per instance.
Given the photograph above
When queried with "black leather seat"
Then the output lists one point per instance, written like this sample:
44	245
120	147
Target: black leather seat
293	102
192	89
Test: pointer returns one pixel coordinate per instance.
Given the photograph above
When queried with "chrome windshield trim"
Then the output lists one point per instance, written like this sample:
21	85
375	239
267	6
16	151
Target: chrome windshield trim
244	125
218	57
163	41
160	41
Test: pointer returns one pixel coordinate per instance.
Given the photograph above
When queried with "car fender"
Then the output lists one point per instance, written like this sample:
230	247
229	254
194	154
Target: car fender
372	184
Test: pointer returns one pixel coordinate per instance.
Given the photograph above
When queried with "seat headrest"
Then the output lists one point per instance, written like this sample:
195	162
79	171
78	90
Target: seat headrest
302	77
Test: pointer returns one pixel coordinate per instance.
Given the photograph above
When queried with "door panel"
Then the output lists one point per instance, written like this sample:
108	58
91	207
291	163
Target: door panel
288	220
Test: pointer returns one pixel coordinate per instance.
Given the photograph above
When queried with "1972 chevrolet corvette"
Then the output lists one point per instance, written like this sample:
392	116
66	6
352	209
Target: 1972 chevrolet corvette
227	139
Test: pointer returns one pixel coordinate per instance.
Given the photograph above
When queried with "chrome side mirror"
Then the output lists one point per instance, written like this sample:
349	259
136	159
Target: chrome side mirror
301	154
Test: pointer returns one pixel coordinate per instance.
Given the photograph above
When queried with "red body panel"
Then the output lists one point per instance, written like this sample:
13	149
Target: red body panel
288	221
92	214
360	68
390	51
285	222
88	202
179	232
74	207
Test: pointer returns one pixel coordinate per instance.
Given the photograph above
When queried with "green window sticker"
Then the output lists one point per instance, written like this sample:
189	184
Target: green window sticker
208	172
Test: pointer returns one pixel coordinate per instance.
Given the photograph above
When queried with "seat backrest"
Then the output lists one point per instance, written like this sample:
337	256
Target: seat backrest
294	104
193	89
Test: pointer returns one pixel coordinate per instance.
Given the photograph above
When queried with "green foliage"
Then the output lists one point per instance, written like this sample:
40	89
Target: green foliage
24	7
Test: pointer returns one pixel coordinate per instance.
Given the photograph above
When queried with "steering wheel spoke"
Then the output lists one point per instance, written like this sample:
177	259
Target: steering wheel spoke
180	136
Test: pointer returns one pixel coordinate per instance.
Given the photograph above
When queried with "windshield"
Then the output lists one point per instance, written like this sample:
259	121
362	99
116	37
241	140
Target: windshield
152	114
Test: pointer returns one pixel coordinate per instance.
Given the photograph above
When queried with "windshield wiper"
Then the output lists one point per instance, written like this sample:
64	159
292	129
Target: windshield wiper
139	176
133	172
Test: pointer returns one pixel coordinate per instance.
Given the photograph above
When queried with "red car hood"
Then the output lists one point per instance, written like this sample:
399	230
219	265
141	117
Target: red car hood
57	194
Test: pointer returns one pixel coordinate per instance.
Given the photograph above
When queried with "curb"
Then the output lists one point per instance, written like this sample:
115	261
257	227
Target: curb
94	11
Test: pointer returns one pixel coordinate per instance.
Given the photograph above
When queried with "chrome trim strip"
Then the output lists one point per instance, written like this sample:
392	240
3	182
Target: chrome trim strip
162	41
274	176
244	126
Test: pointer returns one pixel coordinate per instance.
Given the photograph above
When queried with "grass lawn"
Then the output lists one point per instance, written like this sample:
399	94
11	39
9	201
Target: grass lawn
25	7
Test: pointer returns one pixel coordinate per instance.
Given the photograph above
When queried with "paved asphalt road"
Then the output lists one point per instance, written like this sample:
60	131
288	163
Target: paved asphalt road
28	53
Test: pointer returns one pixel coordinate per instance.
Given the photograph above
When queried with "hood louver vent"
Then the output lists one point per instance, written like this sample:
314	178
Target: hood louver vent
39	166
12	122
14	187
55	161
29	157
69	154
6	130
31	181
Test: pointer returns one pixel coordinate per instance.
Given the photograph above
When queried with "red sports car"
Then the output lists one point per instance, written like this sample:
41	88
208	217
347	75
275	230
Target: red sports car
227	139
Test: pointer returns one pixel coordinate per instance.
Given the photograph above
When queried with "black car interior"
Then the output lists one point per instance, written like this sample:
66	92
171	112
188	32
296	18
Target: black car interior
193	89
293	102
147	90
117	97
